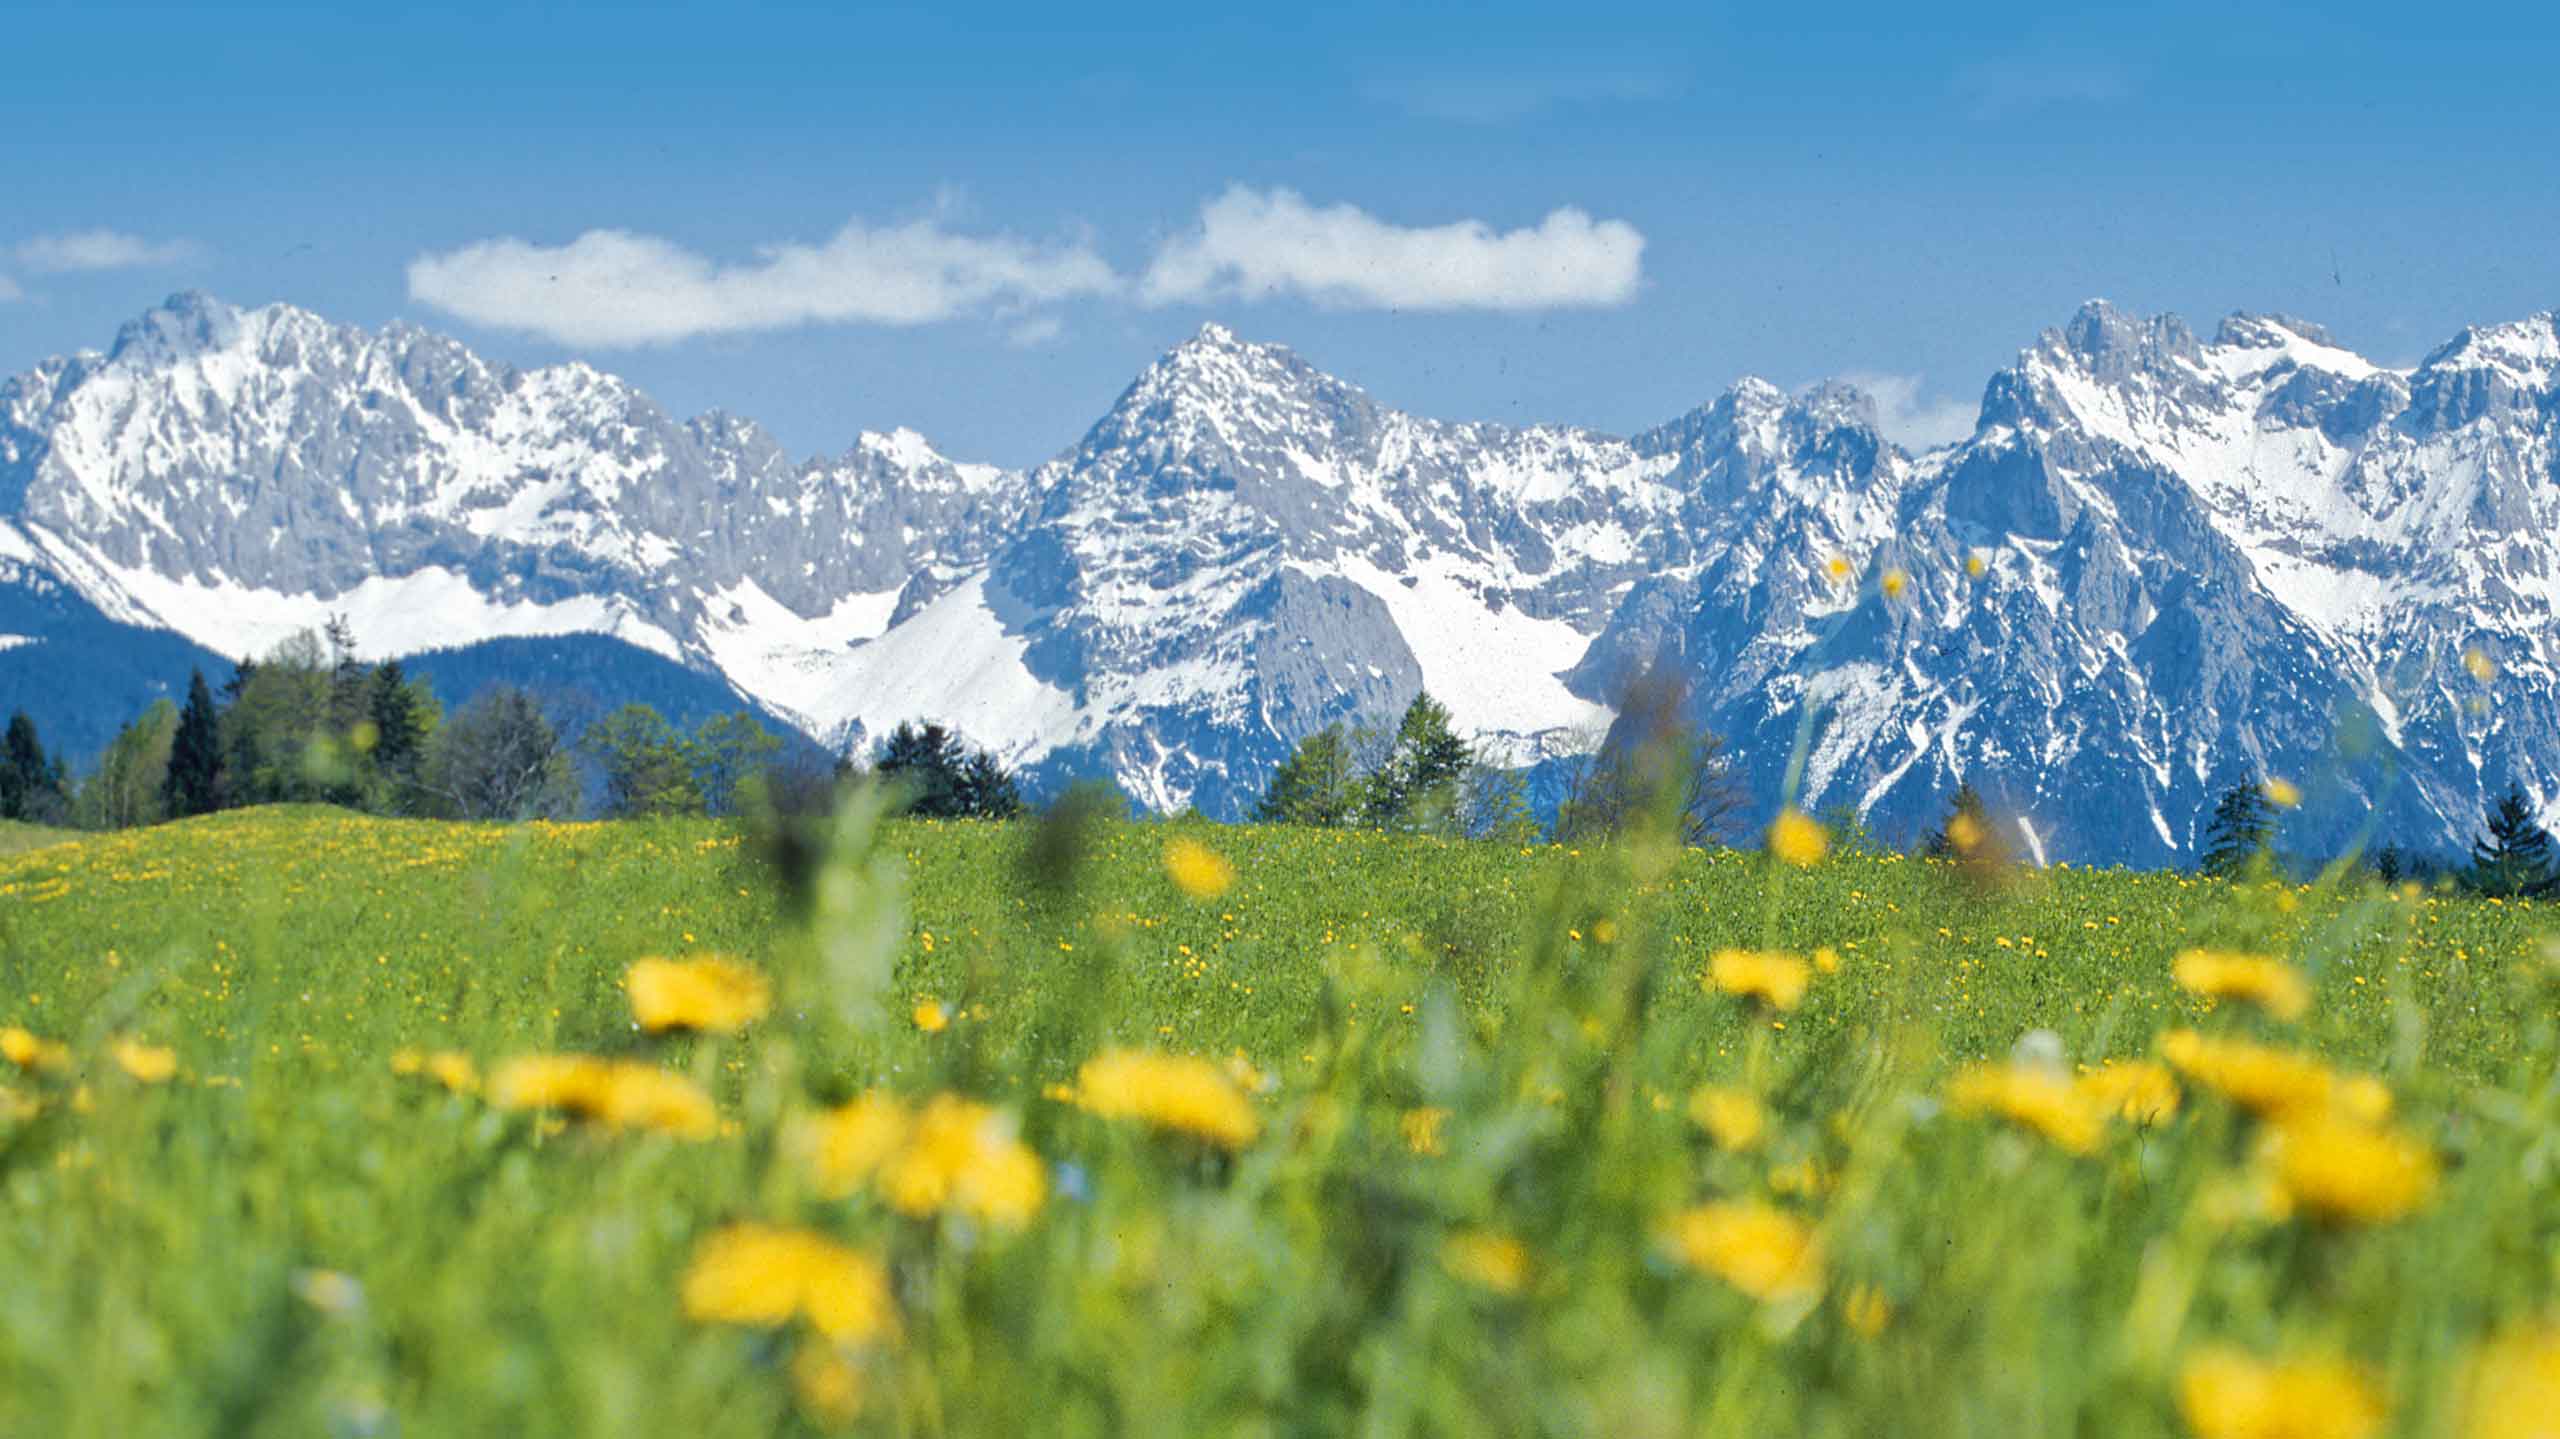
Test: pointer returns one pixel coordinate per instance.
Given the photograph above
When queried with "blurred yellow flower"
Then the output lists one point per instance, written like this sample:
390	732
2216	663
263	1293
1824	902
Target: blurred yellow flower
2271	984
2040	1099
709	994
16	1108
2346	1170
931	1017
2483	668
2139	1090
2226	1394
1798	839
847	1145
961	1157
1759	1249
2512	1390
1487	1257
1171	1092
148	1063
1865	1310
1975	563
1425	1130
1770	975
616	1094
1732	1117
2283	793
763	1275
31	1053
1196	869
1836	567
1894	583
829	1384
2264	1080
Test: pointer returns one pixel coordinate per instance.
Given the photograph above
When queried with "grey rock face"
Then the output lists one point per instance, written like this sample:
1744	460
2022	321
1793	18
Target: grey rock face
2160	565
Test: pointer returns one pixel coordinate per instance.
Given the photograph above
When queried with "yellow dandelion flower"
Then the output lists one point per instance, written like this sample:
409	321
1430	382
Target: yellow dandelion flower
2271	984
2283	793
2346	1171
2141	1091
2226	1394
1487	1258
1798	839
1425	1130
931	1017
829	1384
454	1070
2483	668
1197	870
1836	568
2264	1080
1975	563
2039	1099
1169	1092
16	1108
847	1145
30	1053
961	1157
1865	1310
1966	833
1827	960
708	994
1733	1118
1774	977
147	1063
1894	583
1763	1251
2512	1389
764	1275
613	1094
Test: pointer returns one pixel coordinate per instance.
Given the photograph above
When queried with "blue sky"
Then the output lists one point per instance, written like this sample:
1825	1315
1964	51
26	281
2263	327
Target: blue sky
833	218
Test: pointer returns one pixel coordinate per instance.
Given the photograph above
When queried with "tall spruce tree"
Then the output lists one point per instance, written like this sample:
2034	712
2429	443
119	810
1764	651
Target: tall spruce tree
31	785
1967	828
194	782
1416	787
2515	858
2241	835
1316	785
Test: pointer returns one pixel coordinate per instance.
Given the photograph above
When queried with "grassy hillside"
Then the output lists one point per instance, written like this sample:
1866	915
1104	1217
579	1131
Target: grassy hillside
1450	1167
17	836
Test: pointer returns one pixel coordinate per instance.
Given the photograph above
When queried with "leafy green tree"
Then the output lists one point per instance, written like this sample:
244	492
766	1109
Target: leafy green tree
1415	786
1493	804
499	759
192	782
647	764
125	789
731	752
1316	785
2241	835
2515	858
32	785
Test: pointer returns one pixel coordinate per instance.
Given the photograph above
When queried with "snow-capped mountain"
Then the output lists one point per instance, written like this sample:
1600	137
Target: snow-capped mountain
2160	565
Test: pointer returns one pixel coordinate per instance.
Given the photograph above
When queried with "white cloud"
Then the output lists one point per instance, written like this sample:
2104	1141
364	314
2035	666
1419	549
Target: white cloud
1910	420
77	250
1035	332
612	287
9	290
1256	245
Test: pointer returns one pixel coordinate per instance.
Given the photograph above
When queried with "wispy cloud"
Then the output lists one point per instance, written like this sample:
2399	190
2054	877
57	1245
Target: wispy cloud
2021	84
1254	245
1911	418
613	287
9	290
1496	92
83	250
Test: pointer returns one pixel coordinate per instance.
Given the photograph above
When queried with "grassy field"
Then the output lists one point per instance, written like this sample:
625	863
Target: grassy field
1478	1143
17	837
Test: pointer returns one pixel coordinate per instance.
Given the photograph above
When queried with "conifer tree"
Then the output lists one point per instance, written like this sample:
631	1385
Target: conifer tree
31	786
1416	786
2515	858
193	784
1967	828
2242	832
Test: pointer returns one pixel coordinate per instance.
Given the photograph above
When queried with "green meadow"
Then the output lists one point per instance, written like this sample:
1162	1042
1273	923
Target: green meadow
1482	1169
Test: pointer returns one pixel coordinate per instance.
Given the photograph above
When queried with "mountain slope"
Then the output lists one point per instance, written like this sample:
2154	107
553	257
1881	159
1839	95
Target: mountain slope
2160	565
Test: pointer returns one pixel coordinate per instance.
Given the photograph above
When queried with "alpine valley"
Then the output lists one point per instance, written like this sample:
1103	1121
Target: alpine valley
2161	564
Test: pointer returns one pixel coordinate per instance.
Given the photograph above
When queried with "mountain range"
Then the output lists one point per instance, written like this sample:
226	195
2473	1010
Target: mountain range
2161	564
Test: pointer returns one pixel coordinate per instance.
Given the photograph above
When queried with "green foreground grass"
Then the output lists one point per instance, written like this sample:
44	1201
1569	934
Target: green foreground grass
17	836
1444	1041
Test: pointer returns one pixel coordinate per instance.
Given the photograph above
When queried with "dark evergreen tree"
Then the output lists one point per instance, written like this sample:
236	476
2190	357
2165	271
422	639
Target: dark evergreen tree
193	784
398	727
2242	832
1967	828
985	789
924	761
243	670
1416	786
31	784
2515	858
1316	785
